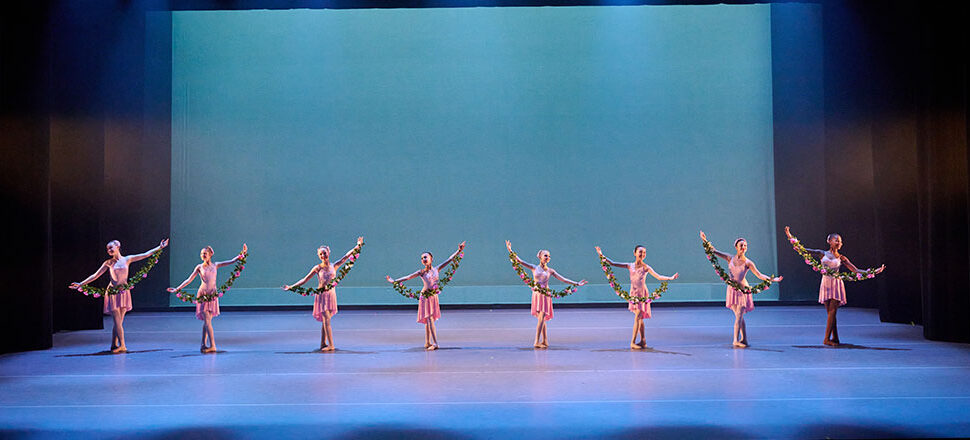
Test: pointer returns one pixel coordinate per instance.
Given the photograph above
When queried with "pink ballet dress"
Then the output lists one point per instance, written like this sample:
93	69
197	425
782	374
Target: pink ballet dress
638	287
428	307
119	275
736	297
540	302
325	301
831	287
208	276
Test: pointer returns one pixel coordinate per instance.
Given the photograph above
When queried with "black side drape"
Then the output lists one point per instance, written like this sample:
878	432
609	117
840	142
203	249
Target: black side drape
24	179
944	178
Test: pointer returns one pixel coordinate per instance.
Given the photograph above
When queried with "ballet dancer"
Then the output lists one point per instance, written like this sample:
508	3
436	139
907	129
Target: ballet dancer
831	292
206	310
738	301
325	303
117	304
428	308
638	287
541	303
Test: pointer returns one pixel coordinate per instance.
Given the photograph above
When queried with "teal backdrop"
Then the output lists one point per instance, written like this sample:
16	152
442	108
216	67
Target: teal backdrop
556	128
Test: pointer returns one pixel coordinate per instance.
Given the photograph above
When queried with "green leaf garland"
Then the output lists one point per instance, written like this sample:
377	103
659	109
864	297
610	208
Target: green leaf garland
747	290
529	281
611	277
236	270
341	273
435	289
142	273
834	273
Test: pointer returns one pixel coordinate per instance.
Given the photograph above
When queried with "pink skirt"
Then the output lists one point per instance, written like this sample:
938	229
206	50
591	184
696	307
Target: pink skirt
428	308
642	307
541	303
324	302
211	306
120	300
831	288
735	298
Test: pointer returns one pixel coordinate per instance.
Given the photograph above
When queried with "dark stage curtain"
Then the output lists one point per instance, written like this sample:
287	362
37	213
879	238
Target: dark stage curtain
25	179
909	74
943	178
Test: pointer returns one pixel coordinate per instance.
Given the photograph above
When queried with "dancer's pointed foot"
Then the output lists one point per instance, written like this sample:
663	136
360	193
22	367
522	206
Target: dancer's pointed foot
120	349
432	347
328	348
211	349
544	345
740	345
635	346
831	343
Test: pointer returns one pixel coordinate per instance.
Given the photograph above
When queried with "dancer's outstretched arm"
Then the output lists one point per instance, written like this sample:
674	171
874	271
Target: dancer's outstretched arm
148	253
817	253
343	259
404	278
723	255
609	261
508	244
763	277
452	257
566	280
854	269
197	270
237	257
661	277
101	270
312	272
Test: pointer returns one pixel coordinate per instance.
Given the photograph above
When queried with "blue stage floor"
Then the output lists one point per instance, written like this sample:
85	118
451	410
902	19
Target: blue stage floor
487	382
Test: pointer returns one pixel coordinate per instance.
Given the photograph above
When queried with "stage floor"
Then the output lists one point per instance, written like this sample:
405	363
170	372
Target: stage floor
487	381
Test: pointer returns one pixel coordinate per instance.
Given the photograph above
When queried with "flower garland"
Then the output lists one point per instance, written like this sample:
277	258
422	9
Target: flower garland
236	270
569	290
747	290
608	270
834	273
132	280
435	289
344	270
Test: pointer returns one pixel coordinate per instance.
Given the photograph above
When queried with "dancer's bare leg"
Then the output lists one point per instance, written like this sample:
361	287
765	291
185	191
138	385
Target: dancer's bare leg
643	333
737	327
210	333
636	330
118	331
327	331
541	317
831	332
434	335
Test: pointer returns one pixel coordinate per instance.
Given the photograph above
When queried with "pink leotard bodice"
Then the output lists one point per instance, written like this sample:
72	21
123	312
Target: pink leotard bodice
119	271
207	273
429	278
325	274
